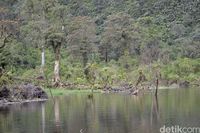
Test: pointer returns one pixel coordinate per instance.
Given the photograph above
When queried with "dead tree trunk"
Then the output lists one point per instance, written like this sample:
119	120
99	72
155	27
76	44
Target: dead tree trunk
157	83
106	55
56	79
42	61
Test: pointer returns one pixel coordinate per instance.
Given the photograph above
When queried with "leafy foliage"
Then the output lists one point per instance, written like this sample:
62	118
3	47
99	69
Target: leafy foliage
121	37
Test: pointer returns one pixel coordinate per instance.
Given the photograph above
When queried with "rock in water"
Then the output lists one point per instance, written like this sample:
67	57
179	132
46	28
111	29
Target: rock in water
184	84
22	93
135	92
30	91
39	93
5	93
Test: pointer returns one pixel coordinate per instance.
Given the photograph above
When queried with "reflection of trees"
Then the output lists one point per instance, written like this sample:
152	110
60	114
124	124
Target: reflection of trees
43	118
155	111
89	114
57	116
4	115
140	121
113	114
4	111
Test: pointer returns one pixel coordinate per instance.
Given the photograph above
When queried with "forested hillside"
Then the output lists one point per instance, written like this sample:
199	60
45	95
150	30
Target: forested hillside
100	41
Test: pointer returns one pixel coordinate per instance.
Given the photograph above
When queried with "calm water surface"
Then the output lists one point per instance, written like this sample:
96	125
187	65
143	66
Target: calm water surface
104	113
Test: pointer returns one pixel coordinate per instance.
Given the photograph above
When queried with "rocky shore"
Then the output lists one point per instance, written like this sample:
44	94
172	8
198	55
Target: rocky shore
21	94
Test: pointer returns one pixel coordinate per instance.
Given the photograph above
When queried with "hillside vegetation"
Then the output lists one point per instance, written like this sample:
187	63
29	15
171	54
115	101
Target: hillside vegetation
100	42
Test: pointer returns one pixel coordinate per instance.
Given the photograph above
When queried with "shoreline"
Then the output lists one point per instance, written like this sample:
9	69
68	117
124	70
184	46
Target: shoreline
63	91
2	104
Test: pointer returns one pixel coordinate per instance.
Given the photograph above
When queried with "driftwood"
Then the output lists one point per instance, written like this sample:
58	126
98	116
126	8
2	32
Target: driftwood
126	89
129	88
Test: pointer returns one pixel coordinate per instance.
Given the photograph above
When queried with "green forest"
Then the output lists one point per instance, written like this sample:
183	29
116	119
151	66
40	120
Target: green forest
62	43
99	66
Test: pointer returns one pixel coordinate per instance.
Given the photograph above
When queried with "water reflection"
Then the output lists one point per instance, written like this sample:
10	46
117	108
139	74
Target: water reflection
57	116
43	117
155	111
103	113
4	111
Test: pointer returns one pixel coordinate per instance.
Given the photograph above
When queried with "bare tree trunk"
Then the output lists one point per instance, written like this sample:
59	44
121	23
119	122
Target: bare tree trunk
157	83
43	57
56	71
85	59
56	79
106	55
42	61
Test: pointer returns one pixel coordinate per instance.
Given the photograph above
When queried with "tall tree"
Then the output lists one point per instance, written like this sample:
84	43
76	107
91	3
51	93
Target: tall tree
55	38
118	36
35	14
46	24
9	28
82	38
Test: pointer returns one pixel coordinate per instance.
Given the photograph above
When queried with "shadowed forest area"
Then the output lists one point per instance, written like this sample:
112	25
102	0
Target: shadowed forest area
99	42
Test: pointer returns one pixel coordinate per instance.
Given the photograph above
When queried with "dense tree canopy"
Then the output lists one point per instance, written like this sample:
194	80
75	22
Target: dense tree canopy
78	32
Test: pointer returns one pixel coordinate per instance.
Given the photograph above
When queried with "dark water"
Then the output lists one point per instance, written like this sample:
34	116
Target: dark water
104	113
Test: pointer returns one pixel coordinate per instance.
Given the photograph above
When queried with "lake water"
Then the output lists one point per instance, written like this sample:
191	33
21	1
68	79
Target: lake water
104	113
